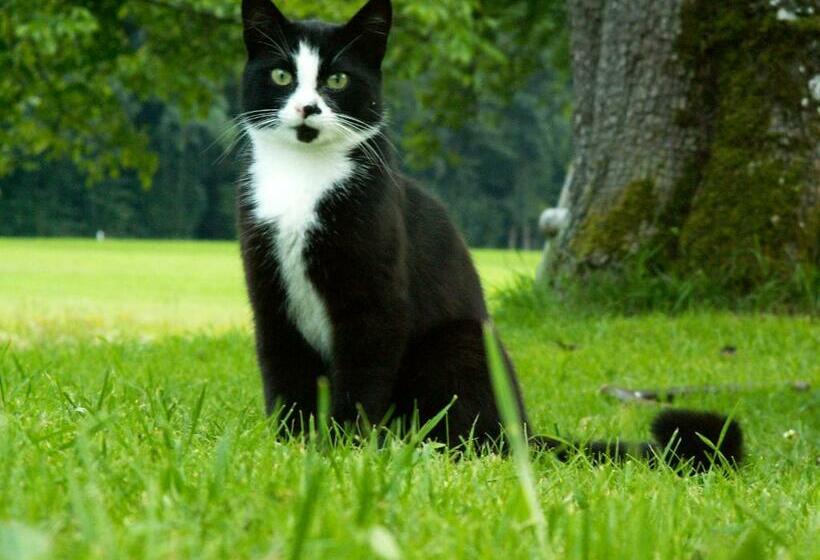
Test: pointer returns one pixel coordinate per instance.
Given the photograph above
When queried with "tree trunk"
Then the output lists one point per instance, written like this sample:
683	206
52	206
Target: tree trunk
512	238
696	138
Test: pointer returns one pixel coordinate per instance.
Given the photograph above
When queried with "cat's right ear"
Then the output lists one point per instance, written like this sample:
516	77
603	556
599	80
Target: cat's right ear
370	28
263	23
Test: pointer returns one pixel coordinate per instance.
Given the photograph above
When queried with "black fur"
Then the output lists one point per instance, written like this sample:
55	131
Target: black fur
400	288
681	431
678	439
397	279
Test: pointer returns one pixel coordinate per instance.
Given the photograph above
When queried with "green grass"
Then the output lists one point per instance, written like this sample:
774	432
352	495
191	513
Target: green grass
149	287
131	426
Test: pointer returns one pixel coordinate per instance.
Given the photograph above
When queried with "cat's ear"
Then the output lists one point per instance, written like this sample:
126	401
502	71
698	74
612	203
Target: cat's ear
263	23
371	27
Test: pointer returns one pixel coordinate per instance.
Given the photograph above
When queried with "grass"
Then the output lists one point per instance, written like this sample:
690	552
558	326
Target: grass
637	288
151	287
131	426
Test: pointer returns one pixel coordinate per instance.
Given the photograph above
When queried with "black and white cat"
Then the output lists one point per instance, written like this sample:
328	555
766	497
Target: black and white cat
355	273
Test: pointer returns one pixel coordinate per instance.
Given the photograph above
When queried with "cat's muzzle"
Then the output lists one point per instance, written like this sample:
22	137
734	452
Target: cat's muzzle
306	134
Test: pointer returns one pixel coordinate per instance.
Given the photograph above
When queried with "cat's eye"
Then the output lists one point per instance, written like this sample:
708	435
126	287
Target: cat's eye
338	81
281	77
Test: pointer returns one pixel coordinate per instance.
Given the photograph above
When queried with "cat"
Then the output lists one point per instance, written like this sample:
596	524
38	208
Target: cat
354	272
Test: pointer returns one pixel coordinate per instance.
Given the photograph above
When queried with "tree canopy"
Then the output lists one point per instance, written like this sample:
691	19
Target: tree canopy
76	71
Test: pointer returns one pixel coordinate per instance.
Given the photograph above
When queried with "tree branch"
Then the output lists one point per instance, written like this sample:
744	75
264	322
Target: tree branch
670	394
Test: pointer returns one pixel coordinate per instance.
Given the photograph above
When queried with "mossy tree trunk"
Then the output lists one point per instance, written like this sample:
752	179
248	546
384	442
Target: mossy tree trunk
696	138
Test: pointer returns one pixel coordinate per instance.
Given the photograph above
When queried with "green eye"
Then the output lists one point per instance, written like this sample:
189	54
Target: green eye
281	77
338	81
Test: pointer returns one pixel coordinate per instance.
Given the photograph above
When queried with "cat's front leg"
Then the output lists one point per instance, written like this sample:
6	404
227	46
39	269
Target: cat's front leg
368	349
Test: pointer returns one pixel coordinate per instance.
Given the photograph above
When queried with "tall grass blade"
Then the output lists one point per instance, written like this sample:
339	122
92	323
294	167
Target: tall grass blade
513	426
323	407
307	508
195	419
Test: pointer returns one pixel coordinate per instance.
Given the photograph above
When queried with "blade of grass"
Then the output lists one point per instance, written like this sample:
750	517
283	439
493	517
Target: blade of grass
323	409
103	391
513	426
195	418
307	508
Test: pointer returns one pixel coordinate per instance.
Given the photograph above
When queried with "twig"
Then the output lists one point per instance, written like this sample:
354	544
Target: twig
670	394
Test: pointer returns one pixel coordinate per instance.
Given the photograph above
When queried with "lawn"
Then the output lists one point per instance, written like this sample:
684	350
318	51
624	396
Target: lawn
131	426
148	287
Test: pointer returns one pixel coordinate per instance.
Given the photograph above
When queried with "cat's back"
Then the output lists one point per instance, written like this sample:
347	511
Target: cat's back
444	282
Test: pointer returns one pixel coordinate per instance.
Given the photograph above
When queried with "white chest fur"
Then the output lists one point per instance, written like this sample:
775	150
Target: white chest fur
287	185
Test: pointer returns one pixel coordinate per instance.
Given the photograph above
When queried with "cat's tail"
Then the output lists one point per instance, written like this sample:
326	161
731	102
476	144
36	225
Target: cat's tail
703	439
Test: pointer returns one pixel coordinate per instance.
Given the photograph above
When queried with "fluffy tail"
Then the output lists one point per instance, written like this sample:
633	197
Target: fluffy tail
680	436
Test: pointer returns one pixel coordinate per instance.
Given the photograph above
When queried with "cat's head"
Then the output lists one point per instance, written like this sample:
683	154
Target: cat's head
313	84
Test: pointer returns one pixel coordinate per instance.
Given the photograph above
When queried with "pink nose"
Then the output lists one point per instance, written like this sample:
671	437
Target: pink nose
308	110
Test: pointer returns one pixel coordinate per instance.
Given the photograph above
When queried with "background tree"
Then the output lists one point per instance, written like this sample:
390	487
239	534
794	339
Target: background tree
127	96
500	169
697	139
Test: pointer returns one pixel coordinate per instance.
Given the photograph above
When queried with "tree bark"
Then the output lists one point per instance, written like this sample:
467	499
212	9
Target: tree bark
696	138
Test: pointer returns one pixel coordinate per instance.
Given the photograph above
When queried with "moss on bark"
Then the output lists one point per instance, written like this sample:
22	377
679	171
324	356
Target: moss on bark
748	221
621	230
729	186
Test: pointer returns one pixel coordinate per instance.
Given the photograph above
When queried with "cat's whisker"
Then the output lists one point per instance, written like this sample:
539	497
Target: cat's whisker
365	127
237	133
230	128
372	153
238	127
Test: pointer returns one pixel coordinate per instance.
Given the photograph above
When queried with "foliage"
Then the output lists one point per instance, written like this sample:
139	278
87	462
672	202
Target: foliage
500	170
112	93
115	444
190	196
75	71
495	174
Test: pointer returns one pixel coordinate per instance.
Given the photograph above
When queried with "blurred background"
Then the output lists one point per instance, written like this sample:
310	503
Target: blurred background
117	116
678	139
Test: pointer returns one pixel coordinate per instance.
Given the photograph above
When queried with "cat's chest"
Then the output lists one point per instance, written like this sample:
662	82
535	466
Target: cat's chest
286	191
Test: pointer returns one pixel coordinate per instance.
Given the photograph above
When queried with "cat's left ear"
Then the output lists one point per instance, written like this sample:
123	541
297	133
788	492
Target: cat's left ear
371	27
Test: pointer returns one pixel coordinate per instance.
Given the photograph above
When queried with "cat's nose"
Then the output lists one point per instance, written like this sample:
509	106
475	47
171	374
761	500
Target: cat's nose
309	110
